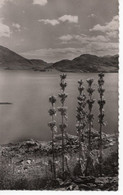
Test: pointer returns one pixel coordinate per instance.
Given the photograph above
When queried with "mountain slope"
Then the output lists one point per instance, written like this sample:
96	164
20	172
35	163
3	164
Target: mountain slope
84	63
12	61
89	63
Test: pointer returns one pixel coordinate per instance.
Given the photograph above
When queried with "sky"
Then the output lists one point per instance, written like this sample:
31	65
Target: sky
53	30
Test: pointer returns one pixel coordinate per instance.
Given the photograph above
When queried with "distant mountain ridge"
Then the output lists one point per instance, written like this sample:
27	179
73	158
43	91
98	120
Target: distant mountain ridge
89	63
84	63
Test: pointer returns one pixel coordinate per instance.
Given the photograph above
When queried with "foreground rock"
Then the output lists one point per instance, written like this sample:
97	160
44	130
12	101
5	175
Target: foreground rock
28	164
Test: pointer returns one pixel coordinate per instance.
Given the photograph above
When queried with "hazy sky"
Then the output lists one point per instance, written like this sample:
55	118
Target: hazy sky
55	29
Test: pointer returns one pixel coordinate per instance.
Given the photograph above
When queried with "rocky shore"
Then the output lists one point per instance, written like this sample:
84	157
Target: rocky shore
28	164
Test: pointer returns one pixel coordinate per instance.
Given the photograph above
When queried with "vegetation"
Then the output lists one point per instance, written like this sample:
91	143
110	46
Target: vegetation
38	165
52	125
101	103
81	119
63	111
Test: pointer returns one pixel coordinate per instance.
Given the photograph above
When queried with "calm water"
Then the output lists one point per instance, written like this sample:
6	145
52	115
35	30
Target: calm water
29	92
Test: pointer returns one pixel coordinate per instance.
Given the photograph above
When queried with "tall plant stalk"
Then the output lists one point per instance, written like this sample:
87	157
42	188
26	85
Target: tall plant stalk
81	116
52	125
90	116
101	115
63	111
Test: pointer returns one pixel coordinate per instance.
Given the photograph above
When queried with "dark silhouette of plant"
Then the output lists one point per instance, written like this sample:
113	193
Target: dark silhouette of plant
90	117
63	111
81	118
52	125
101	115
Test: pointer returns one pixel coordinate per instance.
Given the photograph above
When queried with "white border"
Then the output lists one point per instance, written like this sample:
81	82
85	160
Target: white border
120	191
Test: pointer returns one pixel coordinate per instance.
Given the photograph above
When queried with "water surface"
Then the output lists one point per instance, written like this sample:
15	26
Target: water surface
28	92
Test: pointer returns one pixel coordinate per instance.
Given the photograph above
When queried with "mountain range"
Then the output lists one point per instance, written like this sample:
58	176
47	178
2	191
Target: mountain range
10	60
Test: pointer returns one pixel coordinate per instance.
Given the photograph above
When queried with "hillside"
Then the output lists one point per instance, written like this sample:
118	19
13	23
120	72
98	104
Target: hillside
89	63
10	60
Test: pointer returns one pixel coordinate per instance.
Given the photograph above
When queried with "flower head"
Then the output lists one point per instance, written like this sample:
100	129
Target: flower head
100	82
63	126
63	76
90	90
52	111
101	103
101	75
62	110
80	82
81	89
52	99
90	81
63	85
52	124
101	91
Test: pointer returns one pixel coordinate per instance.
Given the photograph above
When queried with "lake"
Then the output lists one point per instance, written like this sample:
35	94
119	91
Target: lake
27	116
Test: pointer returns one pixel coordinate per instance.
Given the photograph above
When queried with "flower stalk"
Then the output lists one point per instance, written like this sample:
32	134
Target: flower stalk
52	125
63	111
81	116
90	115
101	115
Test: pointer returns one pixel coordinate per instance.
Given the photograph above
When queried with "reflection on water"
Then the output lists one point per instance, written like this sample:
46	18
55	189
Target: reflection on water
29	92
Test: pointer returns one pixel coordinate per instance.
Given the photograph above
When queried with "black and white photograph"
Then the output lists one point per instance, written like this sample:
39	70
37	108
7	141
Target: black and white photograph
59	69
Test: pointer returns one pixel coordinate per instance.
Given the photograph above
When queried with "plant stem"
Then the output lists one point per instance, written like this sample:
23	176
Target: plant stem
62	146
101	141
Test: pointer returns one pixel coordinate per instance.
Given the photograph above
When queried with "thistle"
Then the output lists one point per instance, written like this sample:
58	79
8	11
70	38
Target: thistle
80	116
52	125
101	115
63	111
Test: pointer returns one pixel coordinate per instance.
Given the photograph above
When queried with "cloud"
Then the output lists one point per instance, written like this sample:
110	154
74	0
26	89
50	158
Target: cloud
108	27
91	16
83	38
17	26
113	34
4	29
66	37
2	2
56	54
69	18
65	18
40	2
47	21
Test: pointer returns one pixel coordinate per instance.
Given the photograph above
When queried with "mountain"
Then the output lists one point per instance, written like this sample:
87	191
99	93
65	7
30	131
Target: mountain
88	63
12	61
84	63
